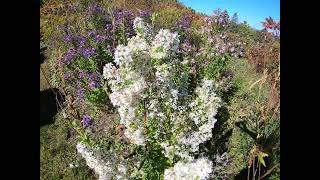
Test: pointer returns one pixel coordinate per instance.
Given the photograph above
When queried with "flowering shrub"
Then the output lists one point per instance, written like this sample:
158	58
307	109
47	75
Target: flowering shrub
155	105
172	89
273	26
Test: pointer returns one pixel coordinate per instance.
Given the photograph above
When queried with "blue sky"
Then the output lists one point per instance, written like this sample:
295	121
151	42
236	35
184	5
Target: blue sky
252	11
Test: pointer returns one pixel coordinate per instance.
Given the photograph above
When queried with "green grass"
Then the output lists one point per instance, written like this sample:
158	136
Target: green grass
243	107
45	73
57	150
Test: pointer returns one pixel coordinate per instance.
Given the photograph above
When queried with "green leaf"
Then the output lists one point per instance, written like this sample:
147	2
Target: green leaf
74	124
261	155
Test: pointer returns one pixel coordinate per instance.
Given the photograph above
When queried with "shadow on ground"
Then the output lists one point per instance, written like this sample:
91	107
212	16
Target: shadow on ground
42	55
48	105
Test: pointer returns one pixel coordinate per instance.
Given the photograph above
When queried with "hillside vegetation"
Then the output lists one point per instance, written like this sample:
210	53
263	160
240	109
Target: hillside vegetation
145	89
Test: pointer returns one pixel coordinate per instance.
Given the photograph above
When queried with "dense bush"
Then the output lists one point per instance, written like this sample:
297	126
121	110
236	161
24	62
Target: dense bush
161	92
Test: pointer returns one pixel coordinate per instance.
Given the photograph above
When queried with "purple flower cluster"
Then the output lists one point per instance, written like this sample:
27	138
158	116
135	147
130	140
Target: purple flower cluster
108	26
72	7
145	14
68	38
80	92
236	49
221	18
88	52
126	18
86	121
67	76
94	80
68	56
94	9
82	41
97	36
185	47
184	23
82	74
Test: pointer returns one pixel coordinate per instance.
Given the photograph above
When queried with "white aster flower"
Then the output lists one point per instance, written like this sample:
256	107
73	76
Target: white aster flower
197	169
122	55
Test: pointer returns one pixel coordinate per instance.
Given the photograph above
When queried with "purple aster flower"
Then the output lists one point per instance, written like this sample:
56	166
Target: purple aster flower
117	23
82	40
100	38
184	23
67	76
82	74
80	92
68	56
94	80
94	8
92	32
108	26
68	38
93	85
145	14
88	52
86	121
93	76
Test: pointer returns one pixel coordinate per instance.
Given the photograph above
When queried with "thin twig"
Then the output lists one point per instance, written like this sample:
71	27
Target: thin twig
269	171
259	170
255	172
50	87
253	167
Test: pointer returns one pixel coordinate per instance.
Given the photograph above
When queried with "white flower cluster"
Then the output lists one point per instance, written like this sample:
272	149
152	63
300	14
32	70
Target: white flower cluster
128	83
127	98
164	43
142	29
146	93
122	55
163	73
203	111
164	85
138	45
109	71
196	169
104	167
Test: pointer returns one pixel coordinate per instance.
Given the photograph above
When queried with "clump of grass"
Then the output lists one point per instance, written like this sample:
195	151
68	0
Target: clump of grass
247	110
57	152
